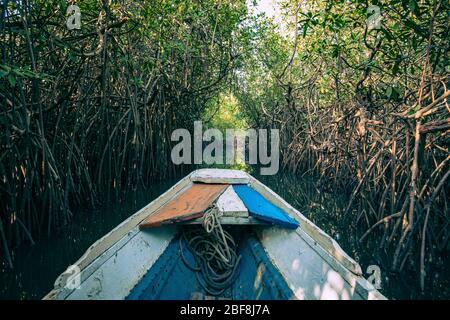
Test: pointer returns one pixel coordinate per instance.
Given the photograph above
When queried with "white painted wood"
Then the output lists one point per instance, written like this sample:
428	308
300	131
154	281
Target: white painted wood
307	273
328	243
98	249
230	205
118	275
362	286
303	269
62	291
220	176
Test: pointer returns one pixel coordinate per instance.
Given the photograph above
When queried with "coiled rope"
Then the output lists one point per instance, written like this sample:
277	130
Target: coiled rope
214	250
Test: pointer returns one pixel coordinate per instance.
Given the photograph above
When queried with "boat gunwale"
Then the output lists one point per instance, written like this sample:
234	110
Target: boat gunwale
324	245
98	249
325	240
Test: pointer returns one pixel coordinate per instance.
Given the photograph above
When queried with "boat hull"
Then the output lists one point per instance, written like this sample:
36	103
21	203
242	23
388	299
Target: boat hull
307	262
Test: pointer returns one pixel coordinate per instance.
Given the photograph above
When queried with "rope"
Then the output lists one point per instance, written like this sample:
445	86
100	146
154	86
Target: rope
214	250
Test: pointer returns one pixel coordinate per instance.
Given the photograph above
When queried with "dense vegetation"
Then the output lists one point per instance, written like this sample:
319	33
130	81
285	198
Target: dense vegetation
92	110
366	108
363	108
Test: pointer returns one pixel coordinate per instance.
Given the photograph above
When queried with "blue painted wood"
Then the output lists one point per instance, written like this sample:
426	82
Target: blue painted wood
263	209
255	263
170	279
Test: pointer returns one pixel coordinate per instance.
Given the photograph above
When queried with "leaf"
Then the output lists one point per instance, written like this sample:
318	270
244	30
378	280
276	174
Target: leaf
396	67
387	33
12	80
411	24
389	91
393	93
335	51
305	29
414	43
396	26
414	7
5	68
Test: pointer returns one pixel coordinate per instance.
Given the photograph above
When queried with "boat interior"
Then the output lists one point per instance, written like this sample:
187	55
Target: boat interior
216	253
172	276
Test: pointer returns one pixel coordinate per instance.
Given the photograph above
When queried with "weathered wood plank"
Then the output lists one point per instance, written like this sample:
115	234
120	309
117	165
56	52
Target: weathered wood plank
220	176
123	266
190	204
261	208
229	204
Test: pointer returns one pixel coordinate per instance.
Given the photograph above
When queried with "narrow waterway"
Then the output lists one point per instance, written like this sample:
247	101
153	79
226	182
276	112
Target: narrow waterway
36	267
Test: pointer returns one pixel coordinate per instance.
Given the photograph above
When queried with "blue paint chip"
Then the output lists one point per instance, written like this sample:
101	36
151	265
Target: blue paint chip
261	208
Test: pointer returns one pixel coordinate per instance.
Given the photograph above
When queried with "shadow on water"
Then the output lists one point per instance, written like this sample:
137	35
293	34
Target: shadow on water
37	267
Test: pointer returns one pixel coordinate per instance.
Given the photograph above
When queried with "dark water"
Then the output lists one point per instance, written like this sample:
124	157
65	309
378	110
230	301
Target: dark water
37	267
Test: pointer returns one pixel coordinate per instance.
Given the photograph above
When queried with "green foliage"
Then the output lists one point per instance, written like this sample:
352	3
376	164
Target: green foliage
91	111
348	97
224	112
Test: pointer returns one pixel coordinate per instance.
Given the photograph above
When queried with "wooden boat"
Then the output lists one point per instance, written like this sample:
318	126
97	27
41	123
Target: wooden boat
283	255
